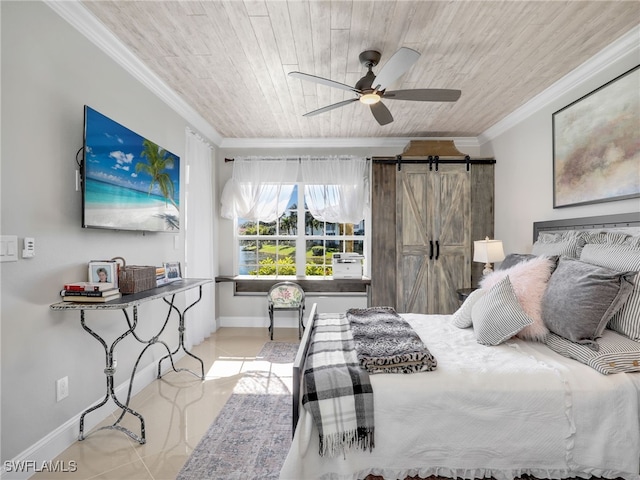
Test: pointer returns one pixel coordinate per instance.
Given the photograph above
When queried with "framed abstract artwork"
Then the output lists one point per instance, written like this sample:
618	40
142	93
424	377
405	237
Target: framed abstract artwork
596	152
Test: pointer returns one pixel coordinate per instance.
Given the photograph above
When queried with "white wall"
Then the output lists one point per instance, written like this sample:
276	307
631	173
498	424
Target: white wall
49	72
524	167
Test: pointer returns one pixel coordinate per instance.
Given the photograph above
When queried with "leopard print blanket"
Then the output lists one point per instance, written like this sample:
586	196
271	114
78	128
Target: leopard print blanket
386	343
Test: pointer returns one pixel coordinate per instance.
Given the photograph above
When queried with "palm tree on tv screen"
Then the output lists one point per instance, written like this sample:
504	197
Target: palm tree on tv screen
158	160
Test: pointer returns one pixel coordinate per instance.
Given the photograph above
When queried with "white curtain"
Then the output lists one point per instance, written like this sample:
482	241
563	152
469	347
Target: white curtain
259	189
336	188
199	228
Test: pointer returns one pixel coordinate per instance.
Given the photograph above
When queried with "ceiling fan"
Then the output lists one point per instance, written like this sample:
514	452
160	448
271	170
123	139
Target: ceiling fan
371	88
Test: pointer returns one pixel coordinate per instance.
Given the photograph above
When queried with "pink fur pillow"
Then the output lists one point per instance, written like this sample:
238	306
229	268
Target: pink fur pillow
529	280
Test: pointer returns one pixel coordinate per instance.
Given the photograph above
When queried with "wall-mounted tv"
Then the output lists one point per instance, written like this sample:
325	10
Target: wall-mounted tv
128	181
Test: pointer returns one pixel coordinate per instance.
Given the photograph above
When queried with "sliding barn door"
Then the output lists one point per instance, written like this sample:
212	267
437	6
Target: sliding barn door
432	237
451	266
414	242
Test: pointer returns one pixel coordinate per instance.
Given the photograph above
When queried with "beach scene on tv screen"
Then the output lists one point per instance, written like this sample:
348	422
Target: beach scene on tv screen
130	182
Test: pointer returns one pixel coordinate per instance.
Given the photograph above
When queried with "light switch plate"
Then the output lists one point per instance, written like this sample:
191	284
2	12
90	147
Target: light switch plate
8	248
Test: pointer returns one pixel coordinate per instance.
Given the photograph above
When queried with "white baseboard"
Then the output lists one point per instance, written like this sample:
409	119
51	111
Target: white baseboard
42	453
282	320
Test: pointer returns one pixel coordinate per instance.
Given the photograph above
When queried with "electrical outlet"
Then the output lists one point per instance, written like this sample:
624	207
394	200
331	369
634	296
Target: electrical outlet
62	388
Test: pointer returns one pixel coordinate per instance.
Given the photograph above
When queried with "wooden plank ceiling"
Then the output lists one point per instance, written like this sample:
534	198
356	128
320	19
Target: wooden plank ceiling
229	60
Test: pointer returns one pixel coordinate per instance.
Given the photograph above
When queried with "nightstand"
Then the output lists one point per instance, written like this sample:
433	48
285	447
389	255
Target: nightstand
463	293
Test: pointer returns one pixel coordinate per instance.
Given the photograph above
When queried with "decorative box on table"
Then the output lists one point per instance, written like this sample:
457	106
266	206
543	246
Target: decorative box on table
135	278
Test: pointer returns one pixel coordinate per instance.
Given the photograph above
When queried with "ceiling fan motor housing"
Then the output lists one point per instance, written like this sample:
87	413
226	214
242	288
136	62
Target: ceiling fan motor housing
370	58
364	84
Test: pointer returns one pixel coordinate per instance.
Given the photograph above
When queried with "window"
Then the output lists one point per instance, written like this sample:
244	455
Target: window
296	244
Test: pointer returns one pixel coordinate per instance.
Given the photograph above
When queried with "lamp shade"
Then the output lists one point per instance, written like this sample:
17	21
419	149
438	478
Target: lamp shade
488	251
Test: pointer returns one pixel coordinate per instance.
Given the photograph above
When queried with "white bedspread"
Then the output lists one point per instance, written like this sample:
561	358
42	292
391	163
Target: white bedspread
517	408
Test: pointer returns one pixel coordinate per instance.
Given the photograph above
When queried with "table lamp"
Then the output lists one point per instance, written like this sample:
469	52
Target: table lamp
487	251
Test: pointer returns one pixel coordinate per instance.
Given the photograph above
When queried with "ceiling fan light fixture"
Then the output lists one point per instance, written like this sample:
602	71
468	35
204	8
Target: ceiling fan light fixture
371	87
370	98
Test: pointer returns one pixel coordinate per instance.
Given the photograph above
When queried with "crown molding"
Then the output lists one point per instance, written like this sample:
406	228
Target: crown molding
87	24
627	44
362	142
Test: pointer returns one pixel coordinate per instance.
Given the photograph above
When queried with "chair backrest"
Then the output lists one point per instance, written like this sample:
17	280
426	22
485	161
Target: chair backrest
286	295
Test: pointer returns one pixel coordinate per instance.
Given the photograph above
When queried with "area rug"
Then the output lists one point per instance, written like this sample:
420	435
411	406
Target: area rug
251	436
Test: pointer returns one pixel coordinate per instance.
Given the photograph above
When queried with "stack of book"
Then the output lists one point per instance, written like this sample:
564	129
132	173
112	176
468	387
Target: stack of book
90	292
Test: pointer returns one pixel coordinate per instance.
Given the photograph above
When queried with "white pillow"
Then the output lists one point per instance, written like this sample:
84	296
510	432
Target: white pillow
462	317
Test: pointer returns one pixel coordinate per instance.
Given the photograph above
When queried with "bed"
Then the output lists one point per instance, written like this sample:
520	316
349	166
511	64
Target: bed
551	408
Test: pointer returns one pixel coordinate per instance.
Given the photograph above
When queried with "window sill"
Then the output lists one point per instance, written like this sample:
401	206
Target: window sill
247	285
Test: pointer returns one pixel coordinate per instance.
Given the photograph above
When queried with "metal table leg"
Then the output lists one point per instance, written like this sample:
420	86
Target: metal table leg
181	330
109	372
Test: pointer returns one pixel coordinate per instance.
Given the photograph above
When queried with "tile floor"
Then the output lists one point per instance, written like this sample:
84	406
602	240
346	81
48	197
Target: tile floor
177	409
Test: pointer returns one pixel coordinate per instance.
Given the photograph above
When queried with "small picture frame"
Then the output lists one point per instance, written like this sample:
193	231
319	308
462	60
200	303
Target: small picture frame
103	272
172	271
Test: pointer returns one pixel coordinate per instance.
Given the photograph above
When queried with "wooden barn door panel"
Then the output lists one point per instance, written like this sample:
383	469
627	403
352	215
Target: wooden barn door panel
451	230
414	247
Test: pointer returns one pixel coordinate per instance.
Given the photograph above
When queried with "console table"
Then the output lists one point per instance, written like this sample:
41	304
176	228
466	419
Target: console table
133	300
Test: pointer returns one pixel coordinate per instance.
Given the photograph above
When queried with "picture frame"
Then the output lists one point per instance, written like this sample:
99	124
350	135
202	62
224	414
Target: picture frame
172	271
101	271
595	147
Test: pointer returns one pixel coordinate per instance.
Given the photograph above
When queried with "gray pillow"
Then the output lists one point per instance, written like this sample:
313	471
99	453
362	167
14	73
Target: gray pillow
581	298
497	315
514	259
622	258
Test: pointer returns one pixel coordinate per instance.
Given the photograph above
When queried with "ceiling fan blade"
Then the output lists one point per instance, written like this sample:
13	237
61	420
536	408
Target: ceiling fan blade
323	81
399	63
424	95
381	113
330	107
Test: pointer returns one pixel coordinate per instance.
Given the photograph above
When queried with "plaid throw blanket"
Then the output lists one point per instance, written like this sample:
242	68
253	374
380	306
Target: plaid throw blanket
337	391
386	343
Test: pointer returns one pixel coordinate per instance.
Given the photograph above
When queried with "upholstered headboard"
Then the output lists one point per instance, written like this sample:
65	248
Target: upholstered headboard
624	222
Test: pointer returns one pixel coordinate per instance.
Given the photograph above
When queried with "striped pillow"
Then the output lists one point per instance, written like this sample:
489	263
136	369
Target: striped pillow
602	237
635	241
497	315
621	258
617	353
567	244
